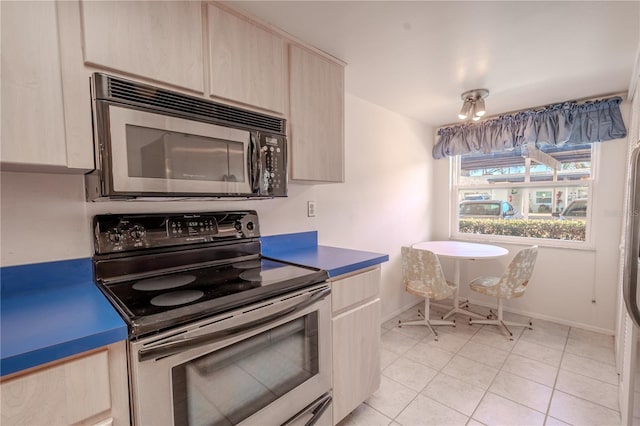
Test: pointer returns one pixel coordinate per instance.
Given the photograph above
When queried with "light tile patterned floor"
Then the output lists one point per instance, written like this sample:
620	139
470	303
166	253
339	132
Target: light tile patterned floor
473	375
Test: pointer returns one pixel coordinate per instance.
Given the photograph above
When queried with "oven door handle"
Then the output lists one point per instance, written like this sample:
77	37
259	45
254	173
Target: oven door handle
310	415
171	348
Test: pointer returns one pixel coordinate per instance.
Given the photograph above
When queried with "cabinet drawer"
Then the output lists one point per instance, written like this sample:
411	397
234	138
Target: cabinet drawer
350	290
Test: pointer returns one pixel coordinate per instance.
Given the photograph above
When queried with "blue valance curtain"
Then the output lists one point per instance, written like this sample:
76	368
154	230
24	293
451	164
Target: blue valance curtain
558	124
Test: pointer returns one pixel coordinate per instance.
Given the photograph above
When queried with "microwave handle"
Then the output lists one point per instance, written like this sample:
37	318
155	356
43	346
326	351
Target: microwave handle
255	163
175	347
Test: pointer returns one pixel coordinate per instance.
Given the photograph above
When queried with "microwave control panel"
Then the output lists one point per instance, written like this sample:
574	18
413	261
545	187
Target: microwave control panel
273	166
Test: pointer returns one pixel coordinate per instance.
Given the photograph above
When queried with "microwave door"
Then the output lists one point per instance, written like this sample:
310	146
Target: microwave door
191	158
153	154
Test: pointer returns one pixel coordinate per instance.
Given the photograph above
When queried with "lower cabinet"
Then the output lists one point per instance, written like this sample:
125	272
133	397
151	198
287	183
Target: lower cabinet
89	389
356	340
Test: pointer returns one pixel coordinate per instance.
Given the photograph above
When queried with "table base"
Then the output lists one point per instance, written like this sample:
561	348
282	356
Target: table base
459	310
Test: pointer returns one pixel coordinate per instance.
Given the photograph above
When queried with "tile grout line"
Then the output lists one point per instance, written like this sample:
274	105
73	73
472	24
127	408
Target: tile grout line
492	380
555	382
577	373
402	384
438	372
510	351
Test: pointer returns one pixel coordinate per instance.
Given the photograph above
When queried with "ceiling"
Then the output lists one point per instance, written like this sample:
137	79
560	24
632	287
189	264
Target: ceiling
417	57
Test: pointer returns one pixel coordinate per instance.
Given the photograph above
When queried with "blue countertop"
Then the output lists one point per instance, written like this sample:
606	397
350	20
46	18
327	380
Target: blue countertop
302	248
52	310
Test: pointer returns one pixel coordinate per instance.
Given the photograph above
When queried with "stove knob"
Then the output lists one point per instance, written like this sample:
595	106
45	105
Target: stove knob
114	236
238	226
137	232
250	226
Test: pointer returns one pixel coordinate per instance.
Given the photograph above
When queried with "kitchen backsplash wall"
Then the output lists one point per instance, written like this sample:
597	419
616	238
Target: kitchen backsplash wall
383	204
43	217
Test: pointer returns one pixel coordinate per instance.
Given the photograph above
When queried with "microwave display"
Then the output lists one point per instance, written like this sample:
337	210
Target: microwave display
165	154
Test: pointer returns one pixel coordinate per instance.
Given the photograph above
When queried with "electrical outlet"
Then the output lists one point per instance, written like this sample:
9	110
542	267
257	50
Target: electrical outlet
311	208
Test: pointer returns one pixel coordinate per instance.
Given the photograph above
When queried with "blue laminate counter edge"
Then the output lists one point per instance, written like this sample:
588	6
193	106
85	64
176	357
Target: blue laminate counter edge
52	310
302	248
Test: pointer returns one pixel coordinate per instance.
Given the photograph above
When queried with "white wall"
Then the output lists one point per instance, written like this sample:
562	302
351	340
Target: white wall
564	282
383	204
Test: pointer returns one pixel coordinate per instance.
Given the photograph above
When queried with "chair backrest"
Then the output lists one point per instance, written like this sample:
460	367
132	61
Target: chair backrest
422	274
519	271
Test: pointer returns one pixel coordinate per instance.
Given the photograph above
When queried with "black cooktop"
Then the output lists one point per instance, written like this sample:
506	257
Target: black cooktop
149	296
165	270
158	302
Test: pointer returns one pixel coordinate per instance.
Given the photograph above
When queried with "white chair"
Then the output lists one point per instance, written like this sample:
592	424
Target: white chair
422	276
511	284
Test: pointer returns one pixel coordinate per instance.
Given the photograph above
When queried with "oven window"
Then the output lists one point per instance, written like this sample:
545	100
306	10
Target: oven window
229	385
163	154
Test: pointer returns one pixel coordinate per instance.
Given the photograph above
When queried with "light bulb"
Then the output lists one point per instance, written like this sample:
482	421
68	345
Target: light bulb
479	109
466	109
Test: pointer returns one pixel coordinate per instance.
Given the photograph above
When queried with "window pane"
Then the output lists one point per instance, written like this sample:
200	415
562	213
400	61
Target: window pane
554	205
565	163
558	213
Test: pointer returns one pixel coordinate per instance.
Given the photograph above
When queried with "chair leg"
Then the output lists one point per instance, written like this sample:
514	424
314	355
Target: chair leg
500	320
426	321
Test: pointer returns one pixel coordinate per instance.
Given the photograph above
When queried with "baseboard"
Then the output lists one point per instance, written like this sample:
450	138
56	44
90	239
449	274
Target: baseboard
533	315
545	318
401	310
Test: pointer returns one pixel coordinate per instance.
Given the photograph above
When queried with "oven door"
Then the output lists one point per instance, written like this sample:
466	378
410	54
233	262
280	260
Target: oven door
149	153
269	363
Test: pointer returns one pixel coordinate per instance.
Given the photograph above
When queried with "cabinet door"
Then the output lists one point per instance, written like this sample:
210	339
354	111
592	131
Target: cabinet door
67	393
32	110
246	62
316	90
356	357
157	40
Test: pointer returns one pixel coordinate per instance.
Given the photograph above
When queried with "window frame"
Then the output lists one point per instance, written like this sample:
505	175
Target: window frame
456	187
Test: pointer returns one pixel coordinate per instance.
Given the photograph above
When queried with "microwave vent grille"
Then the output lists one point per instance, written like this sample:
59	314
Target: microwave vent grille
147	96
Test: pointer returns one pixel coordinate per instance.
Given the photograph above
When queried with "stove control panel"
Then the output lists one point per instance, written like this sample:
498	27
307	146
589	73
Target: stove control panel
122	233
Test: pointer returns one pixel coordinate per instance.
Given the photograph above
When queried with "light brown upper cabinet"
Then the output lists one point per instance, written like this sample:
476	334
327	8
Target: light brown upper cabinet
246	62
156	40
33	116
316	90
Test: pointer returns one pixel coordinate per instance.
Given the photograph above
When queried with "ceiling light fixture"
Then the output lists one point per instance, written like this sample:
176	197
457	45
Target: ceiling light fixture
473	106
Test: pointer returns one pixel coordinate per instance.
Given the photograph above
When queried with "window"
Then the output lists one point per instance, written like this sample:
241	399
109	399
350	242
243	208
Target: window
527	192
543	197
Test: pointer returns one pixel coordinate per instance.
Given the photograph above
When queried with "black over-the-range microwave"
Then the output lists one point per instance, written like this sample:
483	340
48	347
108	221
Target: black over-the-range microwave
153	142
